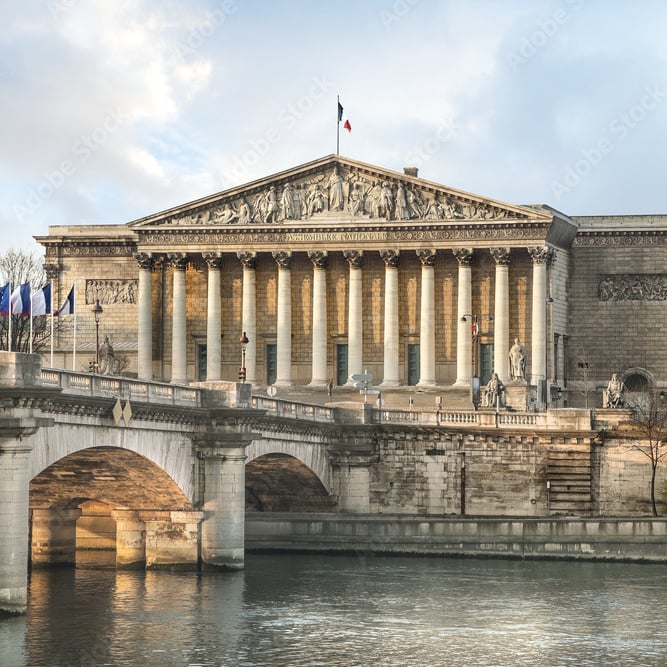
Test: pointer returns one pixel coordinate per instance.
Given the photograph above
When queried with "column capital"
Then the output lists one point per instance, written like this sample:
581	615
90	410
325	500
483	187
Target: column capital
463	255
390	257
354	258
145	260
318	258
178	260
426	256
541	254
248	258
501	255
283	258
213	259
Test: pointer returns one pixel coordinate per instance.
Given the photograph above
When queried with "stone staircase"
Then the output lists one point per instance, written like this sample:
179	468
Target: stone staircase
569	479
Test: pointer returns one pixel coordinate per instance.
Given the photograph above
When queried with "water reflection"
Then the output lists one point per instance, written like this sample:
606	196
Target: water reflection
318	610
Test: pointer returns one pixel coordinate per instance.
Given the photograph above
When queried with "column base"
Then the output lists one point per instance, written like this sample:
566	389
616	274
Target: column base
462	383
426	383
283	383
389	384
318	384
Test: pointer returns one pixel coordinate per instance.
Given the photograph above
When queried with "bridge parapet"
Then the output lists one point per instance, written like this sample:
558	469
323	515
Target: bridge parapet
295	410
87	384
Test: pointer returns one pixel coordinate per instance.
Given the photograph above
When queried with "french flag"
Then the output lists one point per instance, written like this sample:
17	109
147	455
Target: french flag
20	300
68	305
41	301
343	117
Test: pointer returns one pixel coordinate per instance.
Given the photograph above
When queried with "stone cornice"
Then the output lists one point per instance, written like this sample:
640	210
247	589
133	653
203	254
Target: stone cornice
621	237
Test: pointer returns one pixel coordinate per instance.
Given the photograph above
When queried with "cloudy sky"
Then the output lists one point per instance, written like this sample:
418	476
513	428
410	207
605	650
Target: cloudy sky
112	110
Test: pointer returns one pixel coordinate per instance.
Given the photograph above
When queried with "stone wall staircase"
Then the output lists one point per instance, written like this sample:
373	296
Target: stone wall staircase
569	479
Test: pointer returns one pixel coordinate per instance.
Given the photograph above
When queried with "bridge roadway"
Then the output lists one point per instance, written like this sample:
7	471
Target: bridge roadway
198	440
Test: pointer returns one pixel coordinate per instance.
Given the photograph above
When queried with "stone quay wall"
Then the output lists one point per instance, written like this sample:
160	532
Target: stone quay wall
627	539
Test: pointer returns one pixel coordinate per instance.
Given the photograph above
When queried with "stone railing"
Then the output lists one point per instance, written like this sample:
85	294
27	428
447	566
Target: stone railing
462	418
293	409
89	384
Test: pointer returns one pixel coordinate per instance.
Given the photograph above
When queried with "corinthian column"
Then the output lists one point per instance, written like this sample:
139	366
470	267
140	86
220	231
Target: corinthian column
248	313
501	320
391	378
213	320
427	319
145	318
284	320
319	376
178	345
464	310
540	256
355	334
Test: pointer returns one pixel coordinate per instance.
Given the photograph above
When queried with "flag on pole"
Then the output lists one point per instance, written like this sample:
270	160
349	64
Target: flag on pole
68	305
342	117
4	299
41	301
20	300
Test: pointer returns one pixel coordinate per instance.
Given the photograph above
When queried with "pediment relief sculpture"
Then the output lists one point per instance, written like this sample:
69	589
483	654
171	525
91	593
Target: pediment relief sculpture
336	193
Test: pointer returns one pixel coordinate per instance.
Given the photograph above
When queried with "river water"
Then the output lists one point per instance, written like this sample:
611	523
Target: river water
345	610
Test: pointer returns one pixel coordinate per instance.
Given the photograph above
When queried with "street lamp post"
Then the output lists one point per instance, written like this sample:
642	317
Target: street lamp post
242	371
97	311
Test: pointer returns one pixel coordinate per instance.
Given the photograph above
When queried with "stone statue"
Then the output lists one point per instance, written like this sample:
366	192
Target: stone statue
336	191
106	358
518	361
492	391
614	395
315	200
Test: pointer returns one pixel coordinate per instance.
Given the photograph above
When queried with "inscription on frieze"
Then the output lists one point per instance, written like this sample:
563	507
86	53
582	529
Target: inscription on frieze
633	287
111	291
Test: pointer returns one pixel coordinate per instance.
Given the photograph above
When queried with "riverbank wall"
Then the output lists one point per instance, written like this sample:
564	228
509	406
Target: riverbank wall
619	539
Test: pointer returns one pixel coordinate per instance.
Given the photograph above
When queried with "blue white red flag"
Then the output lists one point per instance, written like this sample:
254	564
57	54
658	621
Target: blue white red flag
41	301
20	300
68	305
343	117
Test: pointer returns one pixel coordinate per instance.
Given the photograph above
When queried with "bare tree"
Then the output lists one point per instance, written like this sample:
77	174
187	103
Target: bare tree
649	418
584	375
18	267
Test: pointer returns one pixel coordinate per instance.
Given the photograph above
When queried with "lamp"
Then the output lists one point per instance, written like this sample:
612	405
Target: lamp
97	311
242	371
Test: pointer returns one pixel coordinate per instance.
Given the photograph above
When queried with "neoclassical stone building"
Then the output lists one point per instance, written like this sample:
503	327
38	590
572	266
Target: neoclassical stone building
338	267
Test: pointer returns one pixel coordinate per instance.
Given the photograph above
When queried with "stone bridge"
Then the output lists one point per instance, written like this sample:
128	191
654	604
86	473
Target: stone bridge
176	467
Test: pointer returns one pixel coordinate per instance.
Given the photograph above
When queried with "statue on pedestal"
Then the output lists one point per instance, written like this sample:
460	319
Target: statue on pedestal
492	392
614	395
518	361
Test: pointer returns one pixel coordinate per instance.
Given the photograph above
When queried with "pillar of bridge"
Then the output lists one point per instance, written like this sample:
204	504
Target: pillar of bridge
223	456
130	539
18	426
54	536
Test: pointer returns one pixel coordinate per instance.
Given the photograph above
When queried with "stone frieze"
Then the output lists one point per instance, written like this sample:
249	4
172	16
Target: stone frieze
633	287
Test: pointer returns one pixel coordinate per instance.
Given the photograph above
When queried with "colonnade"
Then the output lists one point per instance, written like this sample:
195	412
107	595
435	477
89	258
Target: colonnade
540	257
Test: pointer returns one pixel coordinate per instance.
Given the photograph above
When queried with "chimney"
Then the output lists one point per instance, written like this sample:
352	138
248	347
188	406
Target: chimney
411	171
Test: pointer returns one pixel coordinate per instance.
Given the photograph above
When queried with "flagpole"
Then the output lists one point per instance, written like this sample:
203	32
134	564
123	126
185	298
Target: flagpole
51	309
30	341
9	328
74	343
337	125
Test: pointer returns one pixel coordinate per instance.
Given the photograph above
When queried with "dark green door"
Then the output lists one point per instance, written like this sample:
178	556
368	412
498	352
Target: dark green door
341	364
271	363
486	362
201	362
413	363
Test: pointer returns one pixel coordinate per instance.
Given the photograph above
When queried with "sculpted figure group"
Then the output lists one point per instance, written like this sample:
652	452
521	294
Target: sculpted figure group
340	191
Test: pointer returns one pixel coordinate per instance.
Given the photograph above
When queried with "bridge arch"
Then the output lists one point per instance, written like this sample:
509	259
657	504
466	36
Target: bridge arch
169	450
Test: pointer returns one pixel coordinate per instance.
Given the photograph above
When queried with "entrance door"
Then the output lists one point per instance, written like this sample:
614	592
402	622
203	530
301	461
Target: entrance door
486	362
271	363
413	363
201	362
341	364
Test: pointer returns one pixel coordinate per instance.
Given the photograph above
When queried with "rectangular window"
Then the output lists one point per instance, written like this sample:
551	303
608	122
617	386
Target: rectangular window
271	363
413	363
341	364
201	362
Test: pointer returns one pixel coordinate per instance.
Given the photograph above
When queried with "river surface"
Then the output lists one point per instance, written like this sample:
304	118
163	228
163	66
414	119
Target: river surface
345	610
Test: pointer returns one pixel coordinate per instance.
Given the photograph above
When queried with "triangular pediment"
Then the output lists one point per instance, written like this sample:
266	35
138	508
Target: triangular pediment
337	189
